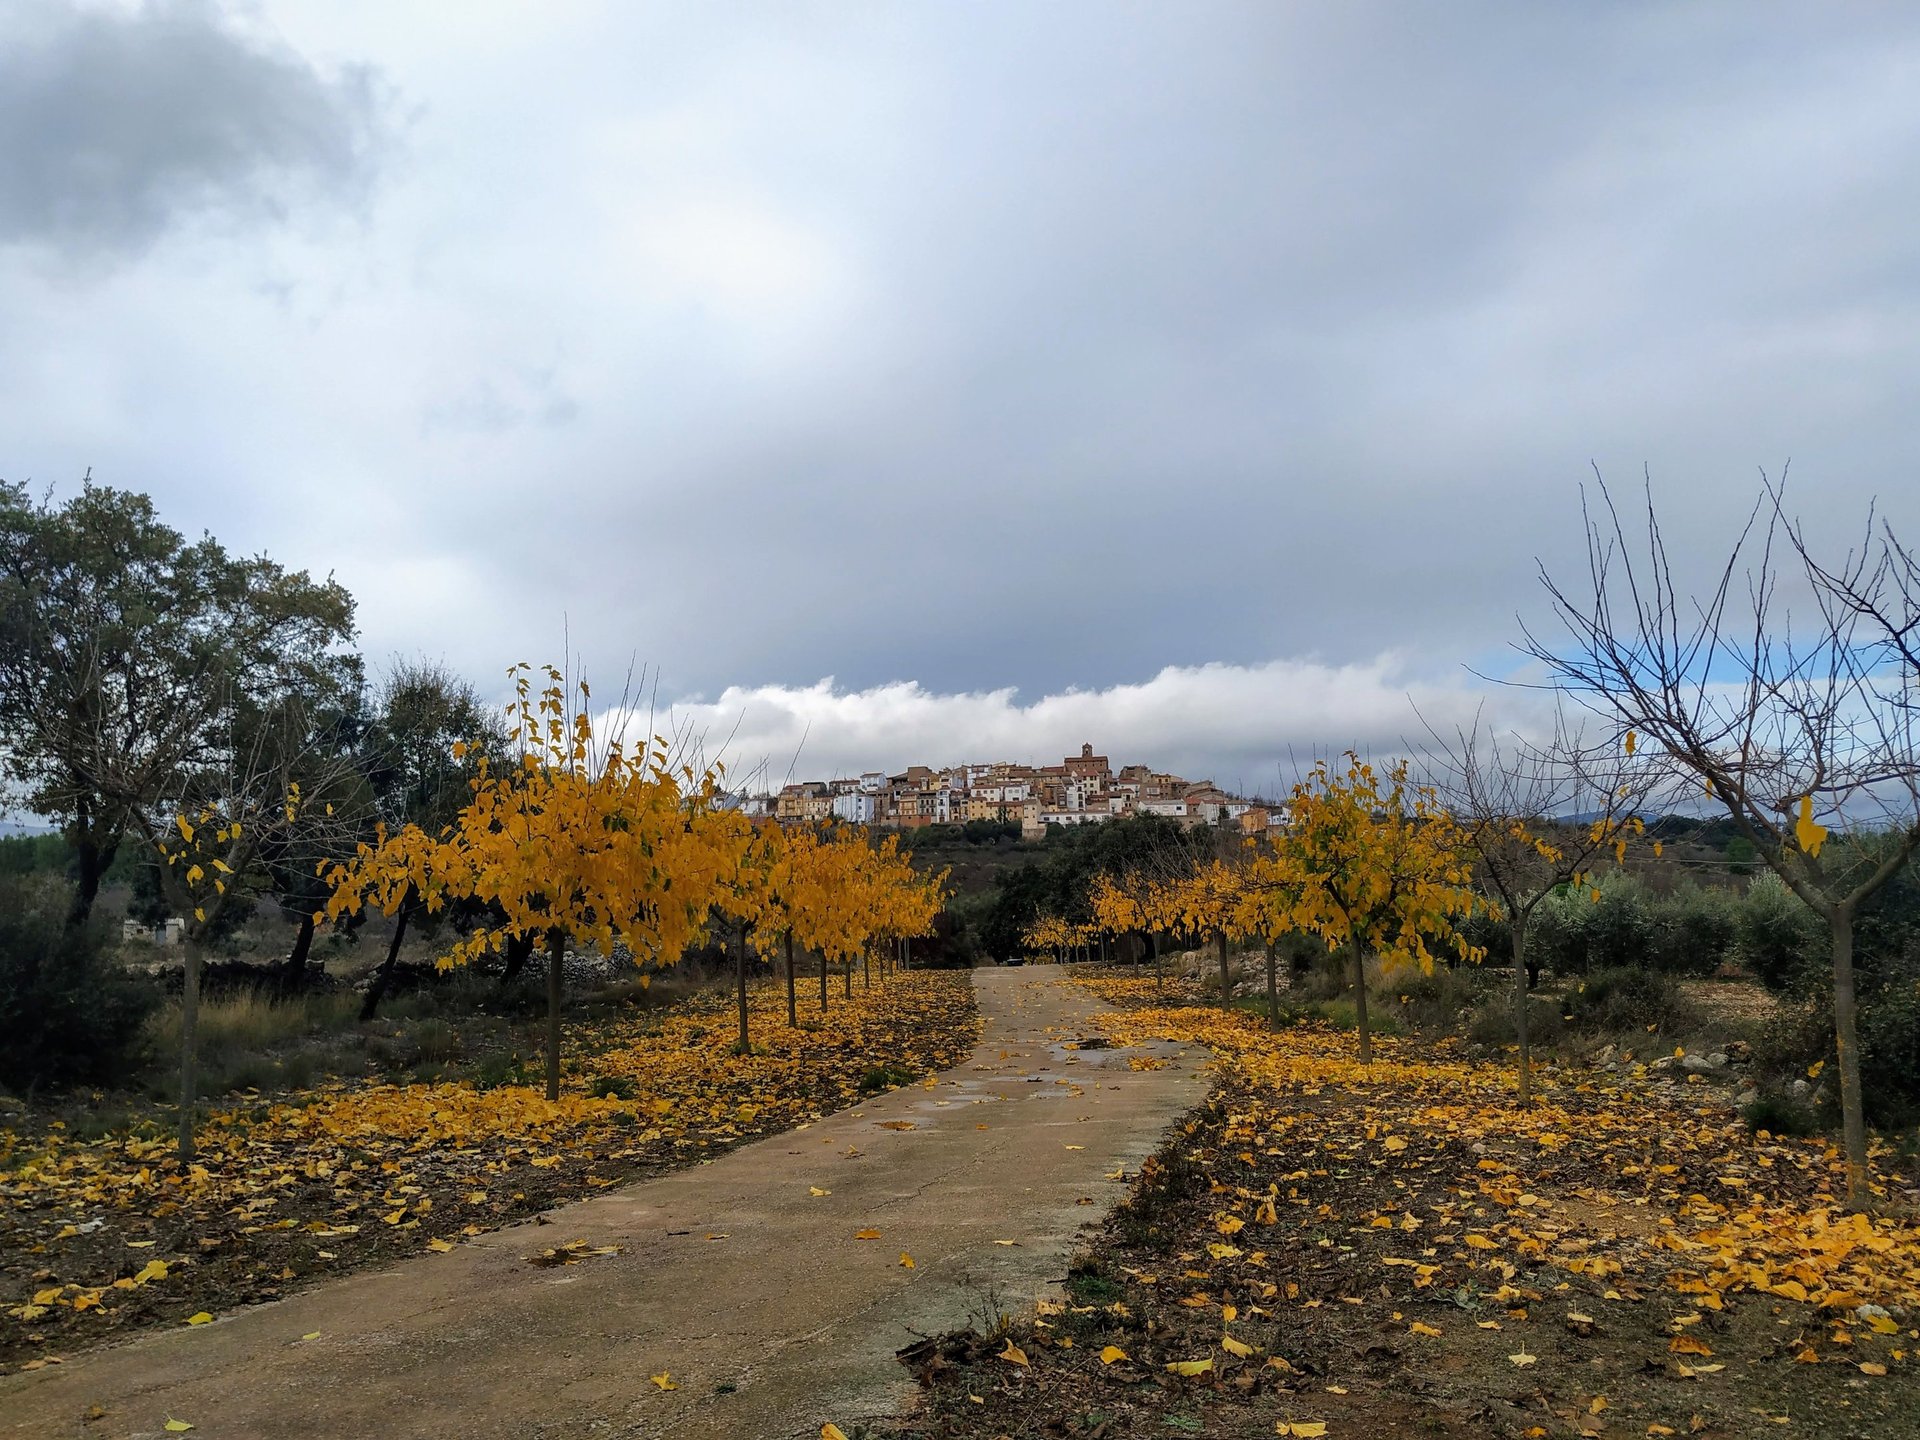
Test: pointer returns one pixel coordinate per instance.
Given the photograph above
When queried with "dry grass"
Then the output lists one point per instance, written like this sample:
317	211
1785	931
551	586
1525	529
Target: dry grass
253	1021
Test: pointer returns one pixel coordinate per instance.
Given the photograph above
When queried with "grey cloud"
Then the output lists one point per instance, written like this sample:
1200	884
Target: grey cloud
494	404
1000	345
118	125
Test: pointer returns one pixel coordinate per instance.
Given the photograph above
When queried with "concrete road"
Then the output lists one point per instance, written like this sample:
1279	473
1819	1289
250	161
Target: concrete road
748	1290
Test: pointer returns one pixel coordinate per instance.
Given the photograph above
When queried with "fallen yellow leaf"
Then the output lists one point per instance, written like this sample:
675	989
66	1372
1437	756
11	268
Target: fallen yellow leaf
1112	1353
664	1380
1013	1354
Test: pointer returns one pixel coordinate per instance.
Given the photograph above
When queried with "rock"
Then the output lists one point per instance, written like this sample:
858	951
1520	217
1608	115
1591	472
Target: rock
1799	1089
1746	1097
1718	1059
1870	1313
1606	1056
1703	1064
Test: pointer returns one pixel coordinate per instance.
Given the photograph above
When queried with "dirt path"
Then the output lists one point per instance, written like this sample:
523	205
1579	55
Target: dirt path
736	1280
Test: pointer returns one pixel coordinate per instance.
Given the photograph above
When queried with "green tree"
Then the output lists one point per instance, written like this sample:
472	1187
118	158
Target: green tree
126	653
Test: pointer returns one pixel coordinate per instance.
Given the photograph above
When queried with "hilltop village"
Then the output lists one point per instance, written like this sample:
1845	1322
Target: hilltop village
1082	789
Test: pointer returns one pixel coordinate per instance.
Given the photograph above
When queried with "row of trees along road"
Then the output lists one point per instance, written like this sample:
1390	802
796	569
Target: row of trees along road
578	837
1802	730
209	710
1368	864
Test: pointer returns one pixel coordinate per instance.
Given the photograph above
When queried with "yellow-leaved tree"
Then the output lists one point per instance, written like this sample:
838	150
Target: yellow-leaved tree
570	841
1117	906
1370	863
1264	908
1208	903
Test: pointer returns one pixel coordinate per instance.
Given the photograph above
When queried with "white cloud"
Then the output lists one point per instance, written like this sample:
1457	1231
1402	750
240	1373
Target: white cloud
1244	726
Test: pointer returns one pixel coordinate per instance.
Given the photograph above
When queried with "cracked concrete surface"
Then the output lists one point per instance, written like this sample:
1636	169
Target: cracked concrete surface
735	1280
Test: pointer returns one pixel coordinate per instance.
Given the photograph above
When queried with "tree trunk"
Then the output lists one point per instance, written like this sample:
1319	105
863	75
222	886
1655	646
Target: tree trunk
745	1044
1360	1004
1853	1115
847	978
823	982
1226	977
1153	944
377	991
189	1033
866	967
1520	988
1273	988
294	977
91	861
793	1017
519	951
556	958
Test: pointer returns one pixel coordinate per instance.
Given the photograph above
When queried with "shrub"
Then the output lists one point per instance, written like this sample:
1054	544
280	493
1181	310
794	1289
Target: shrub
1492	934
1778	937
1889	1024
1778	1113
1342	1015
1627	998
71	1014
1436	1001
1890	1052
1492	1022
884	1077
1619	929
1694	930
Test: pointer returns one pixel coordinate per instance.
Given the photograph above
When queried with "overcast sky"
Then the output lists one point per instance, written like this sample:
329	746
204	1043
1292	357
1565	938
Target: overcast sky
962	380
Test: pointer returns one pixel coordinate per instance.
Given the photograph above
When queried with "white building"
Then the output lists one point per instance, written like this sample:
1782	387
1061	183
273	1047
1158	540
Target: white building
856	807
1074	817
1003	792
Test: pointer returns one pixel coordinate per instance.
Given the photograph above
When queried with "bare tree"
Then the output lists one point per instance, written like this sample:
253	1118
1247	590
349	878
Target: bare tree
1791	730
1535	815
